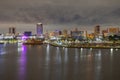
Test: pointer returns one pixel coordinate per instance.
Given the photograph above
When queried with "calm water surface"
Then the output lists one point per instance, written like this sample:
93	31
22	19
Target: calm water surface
45	62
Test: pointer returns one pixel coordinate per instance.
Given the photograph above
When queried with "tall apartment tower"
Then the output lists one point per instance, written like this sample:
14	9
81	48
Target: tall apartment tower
12	30
97	30
39	28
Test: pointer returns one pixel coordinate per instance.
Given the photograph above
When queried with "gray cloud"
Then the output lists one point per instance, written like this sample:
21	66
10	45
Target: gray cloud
60	11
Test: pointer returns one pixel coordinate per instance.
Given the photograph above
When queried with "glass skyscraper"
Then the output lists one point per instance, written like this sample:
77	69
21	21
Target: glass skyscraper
39	28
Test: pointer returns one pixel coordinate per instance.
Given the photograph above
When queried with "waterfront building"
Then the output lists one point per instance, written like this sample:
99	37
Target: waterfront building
105	33
113	30
57	32
52	33
80	35
39	29
91	36
97	30
12	30
46	35
65	33
28	33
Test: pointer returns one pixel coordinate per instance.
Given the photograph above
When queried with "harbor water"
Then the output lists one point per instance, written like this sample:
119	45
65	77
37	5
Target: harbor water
45	62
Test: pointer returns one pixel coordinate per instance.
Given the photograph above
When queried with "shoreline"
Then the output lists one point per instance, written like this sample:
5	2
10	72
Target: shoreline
87	47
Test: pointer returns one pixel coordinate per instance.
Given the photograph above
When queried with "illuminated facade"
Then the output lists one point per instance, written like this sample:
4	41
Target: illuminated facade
12	30
28	33
65	33
39	28
113	30
80	35
97	30
105	33
91	36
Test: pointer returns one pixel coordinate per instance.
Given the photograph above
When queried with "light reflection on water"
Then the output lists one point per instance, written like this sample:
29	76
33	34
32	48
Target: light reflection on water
111	50
2	60
76	55
58	55
98	65
47	54
2	50
45	62
66	55
22	63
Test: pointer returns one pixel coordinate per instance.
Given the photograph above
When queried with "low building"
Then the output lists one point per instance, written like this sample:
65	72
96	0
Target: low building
80	35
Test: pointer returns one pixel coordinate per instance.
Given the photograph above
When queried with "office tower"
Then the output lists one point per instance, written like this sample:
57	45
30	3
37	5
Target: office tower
39	28
113	30
97	30
12	30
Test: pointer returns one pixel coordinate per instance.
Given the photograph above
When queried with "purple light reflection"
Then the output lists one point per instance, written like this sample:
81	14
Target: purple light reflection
22	64
24	38
2	51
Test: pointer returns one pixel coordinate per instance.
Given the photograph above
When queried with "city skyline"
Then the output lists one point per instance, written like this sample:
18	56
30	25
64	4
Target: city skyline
48	29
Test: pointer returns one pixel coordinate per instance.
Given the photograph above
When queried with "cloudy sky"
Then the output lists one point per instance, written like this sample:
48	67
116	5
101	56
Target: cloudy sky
59	12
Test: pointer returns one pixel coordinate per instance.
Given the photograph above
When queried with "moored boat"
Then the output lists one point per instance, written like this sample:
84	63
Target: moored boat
33	42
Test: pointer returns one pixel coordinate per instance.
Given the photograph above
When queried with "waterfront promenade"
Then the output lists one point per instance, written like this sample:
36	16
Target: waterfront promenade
88	45
72	44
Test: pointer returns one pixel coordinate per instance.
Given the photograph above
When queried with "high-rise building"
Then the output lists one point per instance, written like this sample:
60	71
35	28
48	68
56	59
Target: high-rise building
39	28
12	30
97	30
113	30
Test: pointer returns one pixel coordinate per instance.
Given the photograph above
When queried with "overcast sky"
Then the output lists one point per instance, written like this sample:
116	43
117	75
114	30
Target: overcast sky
80	12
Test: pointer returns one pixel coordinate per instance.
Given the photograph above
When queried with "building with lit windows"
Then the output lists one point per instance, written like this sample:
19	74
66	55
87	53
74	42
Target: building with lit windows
105	33
65	33
12	30
113	30
97	30
39	29
80	35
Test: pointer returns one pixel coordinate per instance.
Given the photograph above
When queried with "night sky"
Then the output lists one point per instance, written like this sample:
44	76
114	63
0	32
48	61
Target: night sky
54	14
